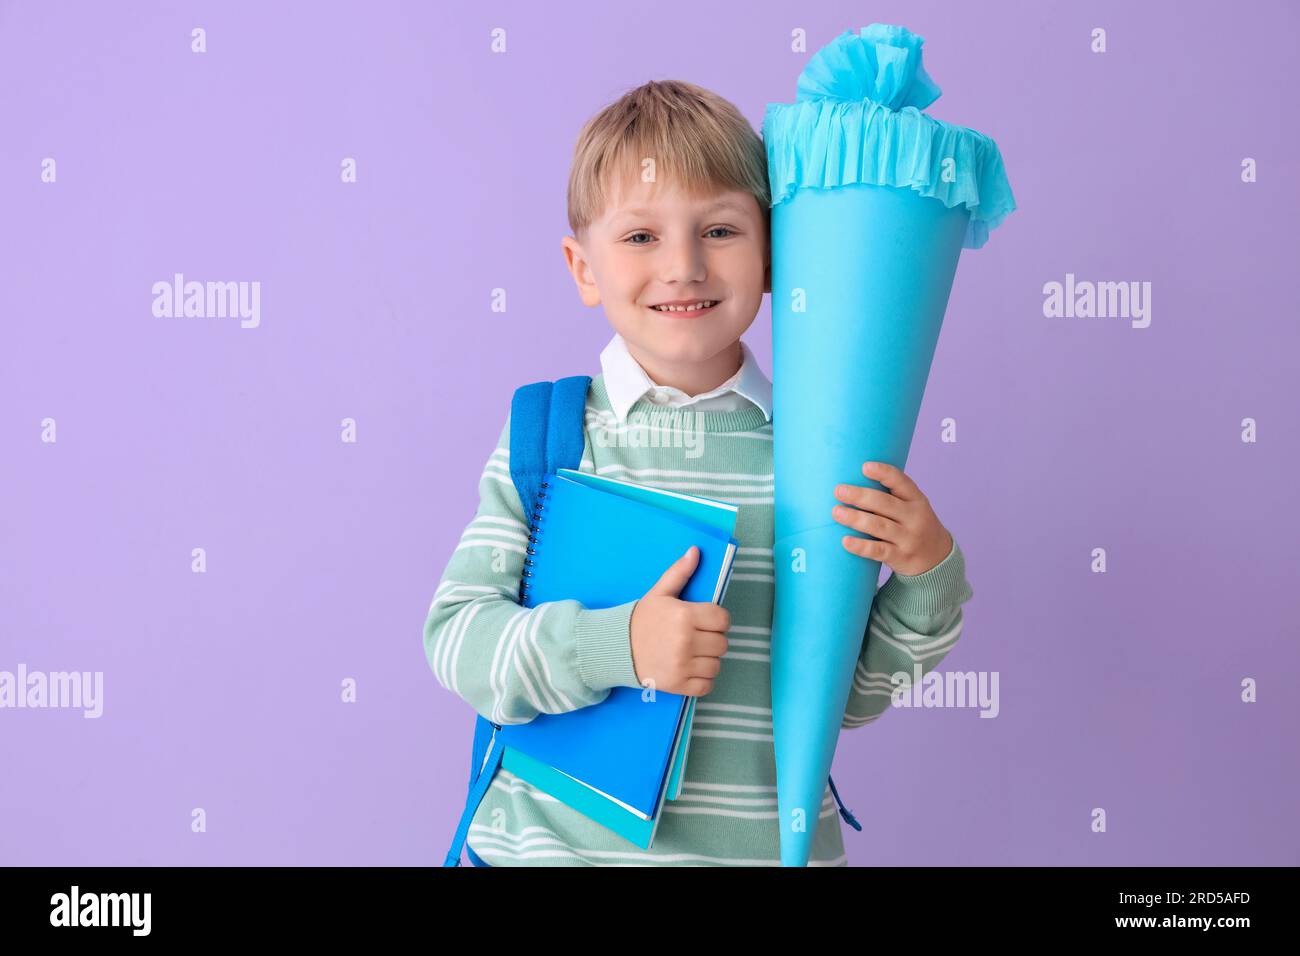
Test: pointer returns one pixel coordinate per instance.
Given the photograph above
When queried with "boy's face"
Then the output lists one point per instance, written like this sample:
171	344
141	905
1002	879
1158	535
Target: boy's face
653	247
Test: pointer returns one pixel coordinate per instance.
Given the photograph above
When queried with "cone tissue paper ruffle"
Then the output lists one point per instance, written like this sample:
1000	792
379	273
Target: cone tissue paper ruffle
872	203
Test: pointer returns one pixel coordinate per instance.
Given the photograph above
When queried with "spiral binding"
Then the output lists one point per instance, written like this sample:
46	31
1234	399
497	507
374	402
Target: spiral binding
534	526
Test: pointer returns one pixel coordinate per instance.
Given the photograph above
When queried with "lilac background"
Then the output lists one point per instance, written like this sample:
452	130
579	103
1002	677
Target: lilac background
1118	690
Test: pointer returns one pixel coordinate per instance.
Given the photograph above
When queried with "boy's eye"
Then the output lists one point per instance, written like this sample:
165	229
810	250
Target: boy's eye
633	240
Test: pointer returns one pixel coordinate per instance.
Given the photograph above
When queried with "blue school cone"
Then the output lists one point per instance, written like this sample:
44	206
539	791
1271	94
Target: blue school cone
872	203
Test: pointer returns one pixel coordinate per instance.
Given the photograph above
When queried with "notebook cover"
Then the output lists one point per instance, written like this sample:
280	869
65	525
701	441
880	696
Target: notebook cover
583	799
623	744
711	511
679	763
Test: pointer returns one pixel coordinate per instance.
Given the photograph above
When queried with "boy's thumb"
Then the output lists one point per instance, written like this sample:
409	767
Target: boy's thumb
672	581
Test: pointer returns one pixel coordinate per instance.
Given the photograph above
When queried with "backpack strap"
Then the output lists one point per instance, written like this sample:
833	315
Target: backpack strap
530	413
547	432
568	427
844	811
485	733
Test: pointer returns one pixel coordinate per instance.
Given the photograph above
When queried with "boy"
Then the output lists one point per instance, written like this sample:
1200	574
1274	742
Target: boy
669	209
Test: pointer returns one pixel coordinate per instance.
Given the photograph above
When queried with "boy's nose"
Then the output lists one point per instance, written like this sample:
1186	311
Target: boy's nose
684	263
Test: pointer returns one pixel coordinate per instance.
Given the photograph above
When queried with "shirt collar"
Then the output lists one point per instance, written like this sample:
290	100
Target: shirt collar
626	381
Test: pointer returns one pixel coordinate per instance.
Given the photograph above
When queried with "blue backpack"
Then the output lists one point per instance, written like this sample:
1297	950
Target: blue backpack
547	432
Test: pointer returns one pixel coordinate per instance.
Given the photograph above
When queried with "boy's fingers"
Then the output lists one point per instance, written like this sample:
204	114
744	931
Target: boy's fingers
710	617
893	479
705	666
870	499
709	644
672	581
868	522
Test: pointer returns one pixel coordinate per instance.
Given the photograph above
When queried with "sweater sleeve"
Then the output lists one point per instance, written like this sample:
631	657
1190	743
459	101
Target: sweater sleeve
915	621
508	662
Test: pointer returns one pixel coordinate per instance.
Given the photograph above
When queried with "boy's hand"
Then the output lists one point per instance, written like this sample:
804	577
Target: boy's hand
677	645
911	539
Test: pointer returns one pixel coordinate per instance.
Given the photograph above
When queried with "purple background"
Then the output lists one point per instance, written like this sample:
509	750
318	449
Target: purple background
221	690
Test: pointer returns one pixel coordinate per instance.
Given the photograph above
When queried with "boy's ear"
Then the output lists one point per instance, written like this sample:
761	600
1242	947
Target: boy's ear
767	254
580	268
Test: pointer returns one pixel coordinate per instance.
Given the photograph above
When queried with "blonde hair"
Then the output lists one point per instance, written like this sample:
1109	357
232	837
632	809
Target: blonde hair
696	138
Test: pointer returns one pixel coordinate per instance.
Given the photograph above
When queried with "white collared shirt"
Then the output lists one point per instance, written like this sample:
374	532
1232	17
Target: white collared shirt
626	382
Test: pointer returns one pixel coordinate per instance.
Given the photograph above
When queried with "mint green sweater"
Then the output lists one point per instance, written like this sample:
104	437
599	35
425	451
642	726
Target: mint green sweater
510	663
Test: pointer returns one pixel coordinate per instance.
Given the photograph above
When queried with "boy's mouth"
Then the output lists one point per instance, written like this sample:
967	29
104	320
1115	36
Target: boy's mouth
685	309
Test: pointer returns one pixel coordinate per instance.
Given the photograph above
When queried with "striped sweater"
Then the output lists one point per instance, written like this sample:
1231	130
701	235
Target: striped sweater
511	663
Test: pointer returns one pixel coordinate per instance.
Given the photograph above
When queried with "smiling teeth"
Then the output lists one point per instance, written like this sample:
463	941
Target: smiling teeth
686	308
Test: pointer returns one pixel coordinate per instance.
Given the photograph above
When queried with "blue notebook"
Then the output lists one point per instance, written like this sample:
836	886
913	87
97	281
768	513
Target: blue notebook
603	542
